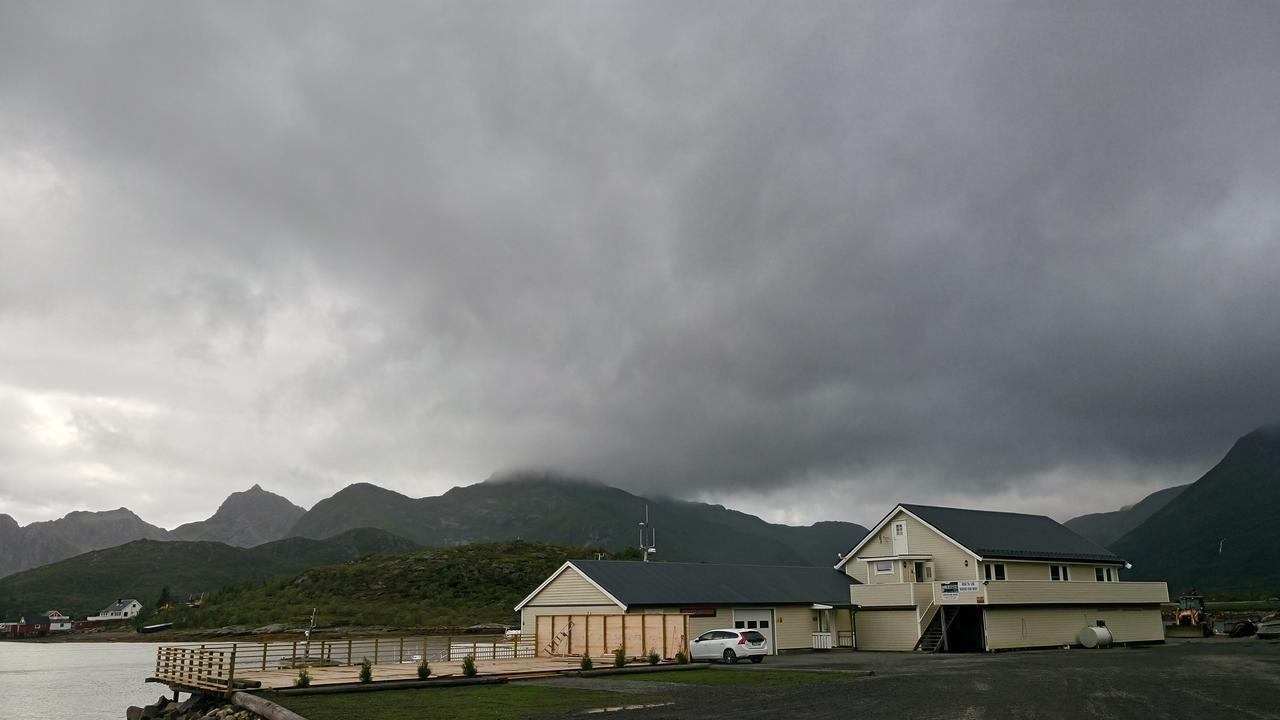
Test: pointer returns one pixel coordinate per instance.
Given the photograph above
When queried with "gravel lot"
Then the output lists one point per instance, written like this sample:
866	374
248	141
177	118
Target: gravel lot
1212	678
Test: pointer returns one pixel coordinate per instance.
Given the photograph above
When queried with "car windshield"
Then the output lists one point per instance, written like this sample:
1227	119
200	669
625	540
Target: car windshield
753	636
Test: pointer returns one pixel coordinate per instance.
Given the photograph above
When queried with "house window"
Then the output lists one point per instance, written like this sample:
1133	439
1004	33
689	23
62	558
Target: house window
994	571
884	567
1108	574
1059	572
1098	575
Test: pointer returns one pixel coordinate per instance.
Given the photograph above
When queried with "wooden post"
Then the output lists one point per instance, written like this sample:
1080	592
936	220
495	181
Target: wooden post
401	659
644	634
375	651
264	657
348	651
231	673
449	652
537	637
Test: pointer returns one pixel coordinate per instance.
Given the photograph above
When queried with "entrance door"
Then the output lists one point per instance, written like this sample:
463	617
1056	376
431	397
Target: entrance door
900	537
756	619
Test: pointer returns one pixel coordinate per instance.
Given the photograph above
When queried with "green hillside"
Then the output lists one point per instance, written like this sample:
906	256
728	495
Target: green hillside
577	512
84	584
448	587
1106	527
1223	532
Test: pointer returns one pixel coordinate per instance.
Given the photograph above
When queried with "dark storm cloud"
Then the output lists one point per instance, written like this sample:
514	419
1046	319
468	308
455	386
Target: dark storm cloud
808	260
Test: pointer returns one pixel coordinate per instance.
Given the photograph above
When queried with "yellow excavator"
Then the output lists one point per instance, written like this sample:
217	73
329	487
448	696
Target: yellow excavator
1190	619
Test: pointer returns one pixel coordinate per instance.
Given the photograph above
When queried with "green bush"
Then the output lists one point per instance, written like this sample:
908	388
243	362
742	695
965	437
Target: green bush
586	662
619	657
424	670
653	657
366	671
469	666
681	658
304	678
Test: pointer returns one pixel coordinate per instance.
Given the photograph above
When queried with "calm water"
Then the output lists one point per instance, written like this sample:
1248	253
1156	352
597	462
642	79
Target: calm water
71	681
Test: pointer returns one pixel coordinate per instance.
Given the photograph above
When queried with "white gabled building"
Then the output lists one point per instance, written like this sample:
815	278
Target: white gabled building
122	609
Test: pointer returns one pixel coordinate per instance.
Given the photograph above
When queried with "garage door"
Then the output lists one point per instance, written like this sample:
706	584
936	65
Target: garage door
756	619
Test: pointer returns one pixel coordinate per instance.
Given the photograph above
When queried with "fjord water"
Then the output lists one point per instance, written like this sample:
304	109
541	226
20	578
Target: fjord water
74	681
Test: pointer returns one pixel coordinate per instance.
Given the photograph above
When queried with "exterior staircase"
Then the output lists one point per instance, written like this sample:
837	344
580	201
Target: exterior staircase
934	637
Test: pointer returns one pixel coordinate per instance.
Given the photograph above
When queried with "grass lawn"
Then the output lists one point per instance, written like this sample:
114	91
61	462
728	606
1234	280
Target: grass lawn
480	702
758	678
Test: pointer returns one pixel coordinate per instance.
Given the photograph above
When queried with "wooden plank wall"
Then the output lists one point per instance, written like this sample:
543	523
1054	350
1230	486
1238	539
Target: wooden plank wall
600	635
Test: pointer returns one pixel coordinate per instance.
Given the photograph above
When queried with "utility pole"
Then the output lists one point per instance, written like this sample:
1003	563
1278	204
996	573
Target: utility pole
648	537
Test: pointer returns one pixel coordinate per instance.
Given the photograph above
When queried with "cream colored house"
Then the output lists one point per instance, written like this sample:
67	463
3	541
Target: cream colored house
796	608
937	578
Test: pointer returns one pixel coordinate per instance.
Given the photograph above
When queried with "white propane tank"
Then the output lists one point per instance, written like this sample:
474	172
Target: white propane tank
1092	637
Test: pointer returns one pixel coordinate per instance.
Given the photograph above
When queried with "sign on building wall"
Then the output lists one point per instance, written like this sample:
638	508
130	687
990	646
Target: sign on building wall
950	591
968	586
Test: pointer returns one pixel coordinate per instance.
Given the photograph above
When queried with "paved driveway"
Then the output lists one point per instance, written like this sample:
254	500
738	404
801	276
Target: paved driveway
1215	678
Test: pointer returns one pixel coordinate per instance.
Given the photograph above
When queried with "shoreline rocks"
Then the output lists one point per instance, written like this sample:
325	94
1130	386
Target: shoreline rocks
196	707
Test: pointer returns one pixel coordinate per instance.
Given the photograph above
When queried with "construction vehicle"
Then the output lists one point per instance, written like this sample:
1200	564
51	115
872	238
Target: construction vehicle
1190	619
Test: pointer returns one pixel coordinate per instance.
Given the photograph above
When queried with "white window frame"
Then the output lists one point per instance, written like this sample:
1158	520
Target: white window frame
995	571
1059	573
875	566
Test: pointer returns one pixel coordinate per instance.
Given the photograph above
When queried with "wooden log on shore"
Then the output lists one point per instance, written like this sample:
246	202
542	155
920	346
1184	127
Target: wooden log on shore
264	707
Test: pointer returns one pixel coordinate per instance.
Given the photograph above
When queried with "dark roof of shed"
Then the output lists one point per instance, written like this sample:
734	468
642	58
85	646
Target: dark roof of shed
698	584
1012	535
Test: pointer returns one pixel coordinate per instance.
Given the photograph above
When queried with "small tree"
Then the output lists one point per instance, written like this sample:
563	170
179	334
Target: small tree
586	663
424	670
681	658
469	666
654	657
304	678
366	671
619	657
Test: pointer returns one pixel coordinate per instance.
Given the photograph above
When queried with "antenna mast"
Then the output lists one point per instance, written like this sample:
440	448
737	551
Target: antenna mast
648	537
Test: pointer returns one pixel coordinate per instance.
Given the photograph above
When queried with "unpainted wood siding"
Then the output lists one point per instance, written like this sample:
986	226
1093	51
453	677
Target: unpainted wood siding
794	626
529	614
886	629
1046	627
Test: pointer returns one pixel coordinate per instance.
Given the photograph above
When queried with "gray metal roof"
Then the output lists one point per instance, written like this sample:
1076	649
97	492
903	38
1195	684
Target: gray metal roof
120	604
703	584
1012	535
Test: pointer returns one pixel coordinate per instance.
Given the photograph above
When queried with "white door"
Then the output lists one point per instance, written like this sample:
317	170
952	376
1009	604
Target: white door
756	619
900	537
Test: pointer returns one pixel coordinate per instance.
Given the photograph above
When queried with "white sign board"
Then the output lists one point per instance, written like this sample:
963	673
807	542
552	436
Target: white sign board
950	591
968	586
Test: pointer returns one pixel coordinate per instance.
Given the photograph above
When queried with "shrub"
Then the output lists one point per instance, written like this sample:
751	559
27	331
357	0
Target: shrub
653	657
619	657
304	678
586	662
424	670
366	671
469	666
681	658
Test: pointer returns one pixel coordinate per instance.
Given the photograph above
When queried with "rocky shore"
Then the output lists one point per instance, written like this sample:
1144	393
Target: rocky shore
196	707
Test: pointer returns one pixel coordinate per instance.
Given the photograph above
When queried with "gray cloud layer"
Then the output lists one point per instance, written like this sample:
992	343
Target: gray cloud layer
807	260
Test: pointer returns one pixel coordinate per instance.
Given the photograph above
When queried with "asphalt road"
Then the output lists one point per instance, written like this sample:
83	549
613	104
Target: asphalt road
1212	678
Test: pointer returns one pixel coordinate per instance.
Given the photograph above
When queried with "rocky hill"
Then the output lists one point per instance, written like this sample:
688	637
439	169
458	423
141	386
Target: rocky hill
1223	531
577	512
86	583
40	543
244	519
1106	527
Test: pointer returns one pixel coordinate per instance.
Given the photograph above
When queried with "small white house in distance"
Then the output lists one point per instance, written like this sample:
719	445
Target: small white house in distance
58	621
122	609
796	608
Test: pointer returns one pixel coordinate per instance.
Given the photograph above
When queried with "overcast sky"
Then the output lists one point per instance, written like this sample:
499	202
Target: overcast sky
803	259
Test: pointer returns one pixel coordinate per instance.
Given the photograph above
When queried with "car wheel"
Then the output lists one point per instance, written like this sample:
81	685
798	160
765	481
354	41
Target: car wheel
730	657
757	659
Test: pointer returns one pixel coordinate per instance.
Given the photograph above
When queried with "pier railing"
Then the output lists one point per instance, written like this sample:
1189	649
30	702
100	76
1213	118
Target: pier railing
216	665
197	668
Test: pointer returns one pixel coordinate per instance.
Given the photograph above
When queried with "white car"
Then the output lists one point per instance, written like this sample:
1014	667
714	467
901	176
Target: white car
729	645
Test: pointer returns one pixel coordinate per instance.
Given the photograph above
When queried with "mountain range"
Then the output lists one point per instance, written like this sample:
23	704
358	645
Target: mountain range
536	507
1105	528
244	519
